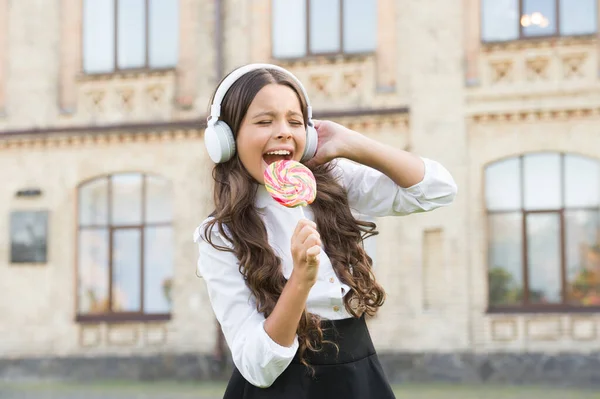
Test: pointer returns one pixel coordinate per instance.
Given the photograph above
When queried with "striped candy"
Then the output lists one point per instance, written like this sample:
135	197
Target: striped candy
290	183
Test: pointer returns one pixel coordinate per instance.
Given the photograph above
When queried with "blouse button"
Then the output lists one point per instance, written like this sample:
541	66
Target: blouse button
331	280
336	308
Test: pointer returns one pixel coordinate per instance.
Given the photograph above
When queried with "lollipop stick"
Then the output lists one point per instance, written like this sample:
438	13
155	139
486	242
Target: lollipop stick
302	212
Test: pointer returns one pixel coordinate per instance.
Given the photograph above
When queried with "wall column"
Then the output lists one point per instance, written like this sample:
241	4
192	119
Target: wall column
3	54
187	68
472	38
387	45
71	40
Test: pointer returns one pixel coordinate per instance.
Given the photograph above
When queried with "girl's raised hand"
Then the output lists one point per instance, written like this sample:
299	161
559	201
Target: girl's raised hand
306	247
334	142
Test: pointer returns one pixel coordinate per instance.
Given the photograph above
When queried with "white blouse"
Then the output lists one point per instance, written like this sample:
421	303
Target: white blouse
370	193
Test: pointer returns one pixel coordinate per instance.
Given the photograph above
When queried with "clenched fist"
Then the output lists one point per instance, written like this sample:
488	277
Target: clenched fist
306	247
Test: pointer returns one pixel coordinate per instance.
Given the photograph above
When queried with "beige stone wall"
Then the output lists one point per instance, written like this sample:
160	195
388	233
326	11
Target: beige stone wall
469	105
38	301
537	96
491	141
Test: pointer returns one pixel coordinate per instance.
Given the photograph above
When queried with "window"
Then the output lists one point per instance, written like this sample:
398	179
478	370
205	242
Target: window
503	20
544	232
129	34
125	248
312	27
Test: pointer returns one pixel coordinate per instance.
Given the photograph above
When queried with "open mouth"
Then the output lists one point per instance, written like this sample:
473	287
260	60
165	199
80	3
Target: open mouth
277	155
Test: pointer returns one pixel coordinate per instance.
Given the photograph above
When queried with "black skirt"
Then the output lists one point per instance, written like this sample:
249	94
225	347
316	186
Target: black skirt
353	373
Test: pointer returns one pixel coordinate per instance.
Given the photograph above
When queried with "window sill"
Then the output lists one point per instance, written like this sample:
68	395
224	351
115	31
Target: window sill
126	74
562	309
322	59
537	41
121	317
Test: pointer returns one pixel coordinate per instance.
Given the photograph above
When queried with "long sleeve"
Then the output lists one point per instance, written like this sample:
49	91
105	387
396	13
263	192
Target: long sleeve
258	358
372	193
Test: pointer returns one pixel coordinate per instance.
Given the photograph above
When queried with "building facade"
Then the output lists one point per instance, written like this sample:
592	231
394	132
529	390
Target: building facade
105	177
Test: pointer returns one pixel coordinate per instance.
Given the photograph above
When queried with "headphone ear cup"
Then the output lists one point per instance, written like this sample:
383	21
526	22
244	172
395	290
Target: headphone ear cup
219	142
312	139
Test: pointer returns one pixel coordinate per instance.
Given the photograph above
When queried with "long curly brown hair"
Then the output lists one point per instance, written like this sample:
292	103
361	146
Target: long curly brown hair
341	234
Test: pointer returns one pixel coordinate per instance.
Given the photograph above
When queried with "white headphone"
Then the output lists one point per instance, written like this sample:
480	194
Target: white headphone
218	137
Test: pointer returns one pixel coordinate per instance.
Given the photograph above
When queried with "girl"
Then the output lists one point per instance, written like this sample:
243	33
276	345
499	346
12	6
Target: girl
291	293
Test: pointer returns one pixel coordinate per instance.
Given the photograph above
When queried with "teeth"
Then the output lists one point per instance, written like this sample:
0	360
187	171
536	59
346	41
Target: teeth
279	152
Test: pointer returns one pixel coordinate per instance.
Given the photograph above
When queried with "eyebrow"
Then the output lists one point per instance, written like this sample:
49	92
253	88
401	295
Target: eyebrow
272	114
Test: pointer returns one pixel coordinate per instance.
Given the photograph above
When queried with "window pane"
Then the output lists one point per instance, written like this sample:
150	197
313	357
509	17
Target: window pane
158	269
542	181
582	181
131	22
289	28
360	25
126	199
92	272
505	259
325	26
158	200
98	36
544	257
578	17
503	185
583	257
126	270
164	33
93	203
500	20
539	17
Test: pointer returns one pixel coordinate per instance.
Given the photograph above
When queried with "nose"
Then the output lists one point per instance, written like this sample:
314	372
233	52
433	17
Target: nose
284	132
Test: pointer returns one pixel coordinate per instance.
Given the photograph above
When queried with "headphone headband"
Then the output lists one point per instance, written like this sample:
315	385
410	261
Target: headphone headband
215	108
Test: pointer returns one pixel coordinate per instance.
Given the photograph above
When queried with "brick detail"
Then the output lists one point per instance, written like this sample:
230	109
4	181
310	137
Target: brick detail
70	54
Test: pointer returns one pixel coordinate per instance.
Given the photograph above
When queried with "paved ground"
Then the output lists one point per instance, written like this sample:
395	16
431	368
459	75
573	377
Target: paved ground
171	390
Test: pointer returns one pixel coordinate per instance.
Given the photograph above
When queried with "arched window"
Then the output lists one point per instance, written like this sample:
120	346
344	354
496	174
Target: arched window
543	232
125	248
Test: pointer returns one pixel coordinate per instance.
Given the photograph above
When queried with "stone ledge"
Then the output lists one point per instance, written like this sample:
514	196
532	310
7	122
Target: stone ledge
504	368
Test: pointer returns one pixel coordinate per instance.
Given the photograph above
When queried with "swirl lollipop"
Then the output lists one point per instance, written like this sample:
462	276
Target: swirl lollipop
291	184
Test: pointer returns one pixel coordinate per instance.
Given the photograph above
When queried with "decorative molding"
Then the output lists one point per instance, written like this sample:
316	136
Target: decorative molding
155	334
572	65
132	96
541	43
543	329
90	335
375	120
537	68
504	330
122	335
134	74
533	115
323	60
501	70
86	139
583	323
